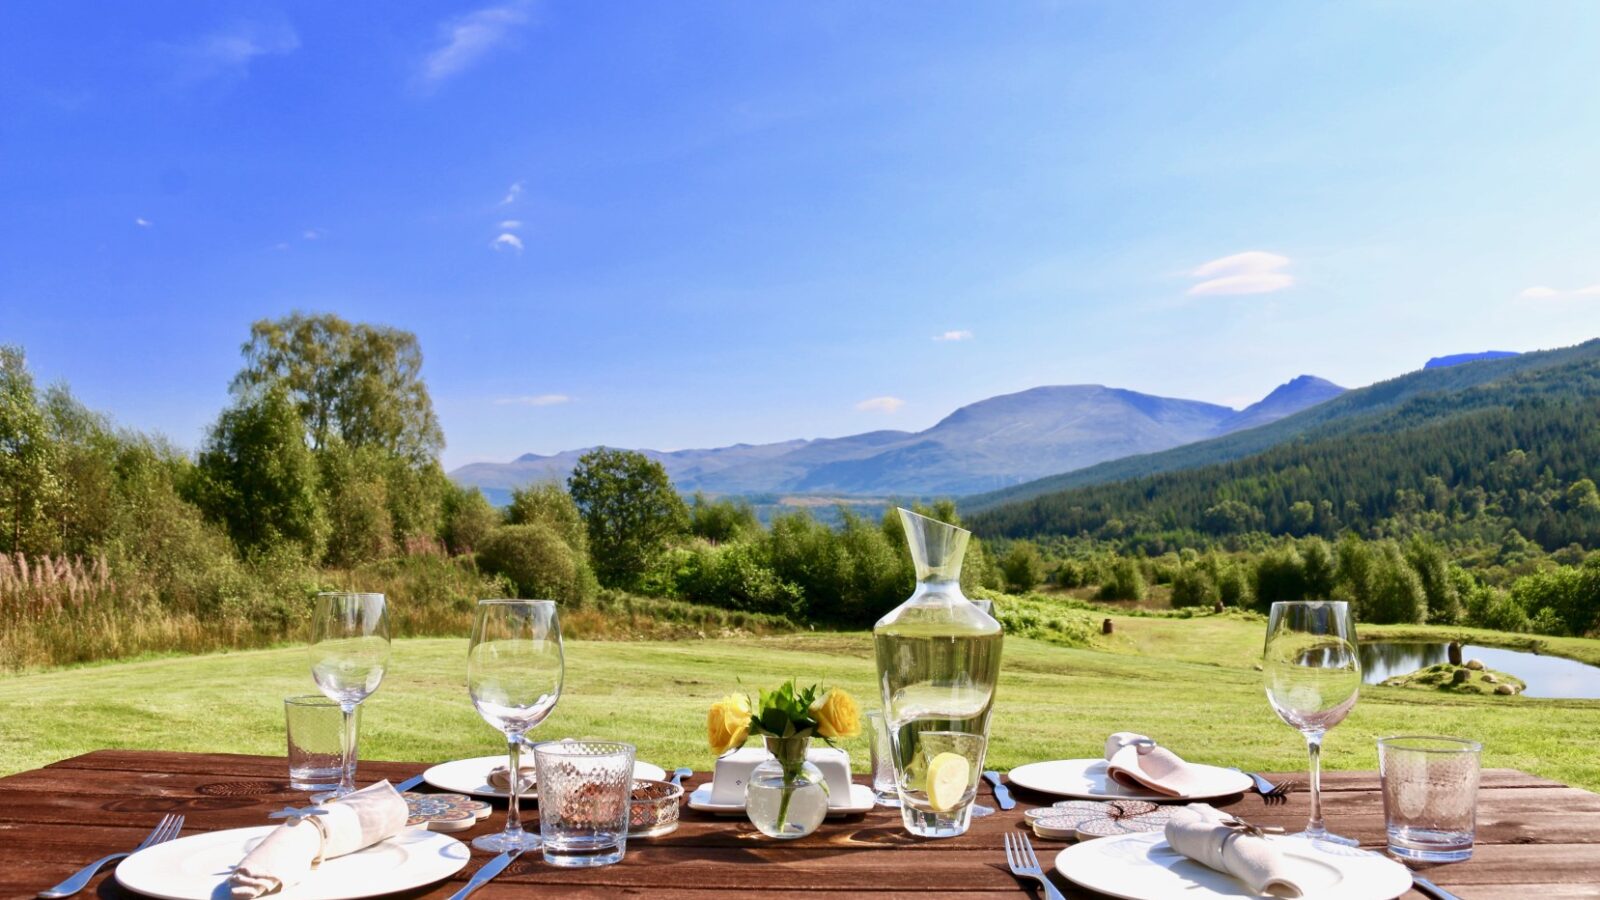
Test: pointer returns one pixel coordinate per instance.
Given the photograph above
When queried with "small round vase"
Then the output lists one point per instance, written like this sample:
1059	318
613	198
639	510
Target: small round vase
785	797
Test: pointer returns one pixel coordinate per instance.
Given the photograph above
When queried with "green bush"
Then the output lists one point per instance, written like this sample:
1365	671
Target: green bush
536	560
1192	585
1126	581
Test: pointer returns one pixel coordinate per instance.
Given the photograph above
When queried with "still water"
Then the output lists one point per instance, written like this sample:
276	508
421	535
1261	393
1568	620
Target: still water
1546	676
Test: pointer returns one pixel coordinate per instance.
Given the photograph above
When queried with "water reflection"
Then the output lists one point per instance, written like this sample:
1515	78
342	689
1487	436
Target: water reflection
1546	676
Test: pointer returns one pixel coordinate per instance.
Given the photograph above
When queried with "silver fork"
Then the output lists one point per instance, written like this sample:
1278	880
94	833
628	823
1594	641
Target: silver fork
165	830
1271	793
1021	859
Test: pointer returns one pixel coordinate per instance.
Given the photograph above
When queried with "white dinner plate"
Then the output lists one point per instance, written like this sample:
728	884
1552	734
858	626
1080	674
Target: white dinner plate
1145	867
1087	779
471	776
861	800
197	867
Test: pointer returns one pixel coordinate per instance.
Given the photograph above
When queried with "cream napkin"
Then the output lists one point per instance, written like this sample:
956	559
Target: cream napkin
1198	832
500	778
289	852
1135	761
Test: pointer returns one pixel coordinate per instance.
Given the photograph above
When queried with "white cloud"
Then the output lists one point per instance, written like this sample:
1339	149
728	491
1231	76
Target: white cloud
962	335
507	241
886	405
142	222
1542	292
281	245
511	225
1251	272
230	52
467	39
312	234
534	400
512	193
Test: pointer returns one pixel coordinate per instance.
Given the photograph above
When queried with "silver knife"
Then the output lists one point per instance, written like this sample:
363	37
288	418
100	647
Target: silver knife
408	784
1428	888
488	871
1002	794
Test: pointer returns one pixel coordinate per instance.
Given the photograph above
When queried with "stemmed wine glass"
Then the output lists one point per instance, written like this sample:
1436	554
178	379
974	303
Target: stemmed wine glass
349	652
514	672
1313	674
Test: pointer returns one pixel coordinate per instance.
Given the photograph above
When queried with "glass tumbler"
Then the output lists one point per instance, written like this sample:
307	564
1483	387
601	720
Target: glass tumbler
1430	797
315	726
584	796
884	788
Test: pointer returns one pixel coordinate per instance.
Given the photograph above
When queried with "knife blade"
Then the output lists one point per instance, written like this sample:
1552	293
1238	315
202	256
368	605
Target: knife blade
408	784
487	871
1002	794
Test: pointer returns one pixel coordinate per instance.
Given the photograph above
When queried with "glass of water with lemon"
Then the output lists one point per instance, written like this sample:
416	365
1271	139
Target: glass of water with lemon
939	774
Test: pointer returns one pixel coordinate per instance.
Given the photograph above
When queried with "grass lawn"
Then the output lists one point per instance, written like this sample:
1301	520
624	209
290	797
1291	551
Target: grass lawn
1190	683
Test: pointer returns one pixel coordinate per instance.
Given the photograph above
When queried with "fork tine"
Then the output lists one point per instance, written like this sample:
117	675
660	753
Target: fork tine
155	833
1028	856
175	830
1011	860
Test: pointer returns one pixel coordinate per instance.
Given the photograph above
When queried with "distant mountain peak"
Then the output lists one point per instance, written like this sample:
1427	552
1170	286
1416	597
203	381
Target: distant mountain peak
1300	392
1456	359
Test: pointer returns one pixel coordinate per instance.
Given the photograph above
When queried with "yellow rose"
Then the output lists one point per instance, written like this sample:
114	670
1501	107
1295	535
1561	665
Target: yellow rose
728	723
837	715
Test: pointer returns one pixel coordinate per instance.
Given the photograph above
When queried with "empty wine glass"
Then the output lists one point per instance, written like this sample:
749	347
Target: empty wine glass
1313	674
349	652
514	672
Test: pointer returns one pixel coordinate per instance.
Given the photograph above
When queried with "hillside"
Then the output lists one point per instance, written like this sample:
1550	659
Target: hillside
985	445
1448	392
1520	453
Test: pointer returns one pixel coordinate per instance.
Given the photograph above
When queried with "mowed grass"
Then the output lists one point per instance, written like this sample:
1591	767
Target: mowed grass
1190	683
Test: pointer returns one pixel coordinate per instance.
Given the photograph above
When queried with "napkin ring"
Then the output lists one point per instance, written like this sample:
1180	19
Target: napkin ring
1240	827
312	814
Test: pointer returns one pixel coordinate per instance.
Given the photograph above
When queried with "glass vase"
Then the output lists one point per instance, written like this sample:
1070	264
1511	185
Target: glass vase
938	663
786	797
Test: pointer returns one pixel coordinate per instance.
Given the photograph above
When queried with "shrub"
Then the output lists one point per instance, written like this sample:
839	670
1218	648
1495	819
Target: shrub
536	560
1193	586
1126	582
1022	566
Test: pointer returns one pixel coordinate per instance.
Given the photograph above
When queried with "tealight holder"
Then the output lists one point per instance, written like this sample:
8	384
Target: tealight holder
653	808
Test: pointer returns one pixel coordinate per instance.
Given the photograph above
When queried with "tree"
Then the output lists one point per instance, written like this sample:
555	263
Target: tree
28	483
359	382
258	478
1126	581
468	518
355	498
1023	566
629	510
721	521
536	560
548	503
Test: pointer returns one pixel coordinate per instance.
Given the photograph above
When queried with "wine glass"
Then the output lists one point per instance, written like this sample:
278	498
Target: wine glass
349	652
514	672
1313	674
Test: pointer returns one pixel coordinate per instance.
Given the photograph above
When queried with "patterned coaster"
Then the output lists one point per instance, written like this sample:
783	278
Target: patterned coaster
444	812
1086	819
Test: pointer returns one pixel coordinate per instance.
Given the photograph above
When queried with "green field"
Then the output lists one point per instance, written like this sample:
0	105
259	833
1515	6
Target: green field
1190	683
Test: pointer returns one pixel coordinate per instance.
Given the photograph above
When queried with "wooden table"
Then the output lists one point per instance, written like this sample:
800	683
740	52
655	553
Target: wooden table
1536	838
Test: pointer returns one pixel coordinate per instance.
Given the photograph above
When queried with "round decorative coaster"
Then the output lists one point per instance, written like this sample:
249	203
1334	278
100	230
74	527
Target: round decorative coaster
1085	819
444	812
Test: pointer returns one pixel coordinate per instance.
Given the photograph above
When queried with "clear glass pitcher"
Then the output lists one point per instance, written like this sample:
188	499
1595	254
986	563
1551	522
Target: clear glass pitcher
938	663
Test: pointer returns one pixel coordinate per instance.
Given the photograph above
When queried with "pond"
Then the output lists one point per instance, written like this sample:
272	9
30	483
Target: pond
1545	676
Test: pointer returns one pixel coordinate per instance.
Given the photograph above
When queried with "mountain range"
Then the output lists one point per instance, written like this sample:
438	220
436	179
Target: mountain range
984	446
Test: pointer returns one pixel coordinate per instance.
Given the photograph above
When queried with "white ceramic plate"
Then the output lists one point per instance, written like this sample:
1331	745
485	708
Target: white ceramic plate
1087	779
1145	867
197	867
471	776
861	800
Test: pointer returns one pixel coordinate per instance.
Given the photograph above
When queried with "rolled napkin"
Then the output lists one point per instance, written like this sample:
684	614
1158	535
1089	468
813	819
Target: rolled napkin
289	852
1217	840
500	778
1136	761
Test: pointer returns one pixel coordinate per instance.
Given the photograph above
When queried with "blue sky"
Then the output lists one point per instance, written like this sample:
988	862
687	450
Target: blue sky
688	224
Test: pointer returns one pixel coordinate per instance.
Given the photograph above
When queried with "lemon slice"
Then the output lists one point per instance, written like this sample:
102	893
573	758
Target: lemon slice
947	780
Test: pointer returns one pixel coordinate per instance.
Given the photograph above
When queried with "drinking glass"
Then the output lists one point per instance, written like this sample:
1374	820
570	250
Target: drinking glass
514	672
584	798
1313	674
349	652
884	788
1430	797
939	816
316	742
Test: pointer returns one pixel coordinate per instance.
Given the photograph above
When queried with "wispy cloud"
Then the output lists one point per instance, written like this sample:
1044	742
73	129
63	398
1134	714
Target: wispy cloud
467	39
511	225
312	234
142	222
1541	292
1251	272
229	53
533	400
512	193
962	335
507	241
886	405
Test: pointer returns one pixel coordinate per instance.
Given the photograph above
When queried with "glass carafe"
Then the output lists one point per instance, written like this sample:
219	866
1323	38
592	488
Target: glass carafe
938	662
